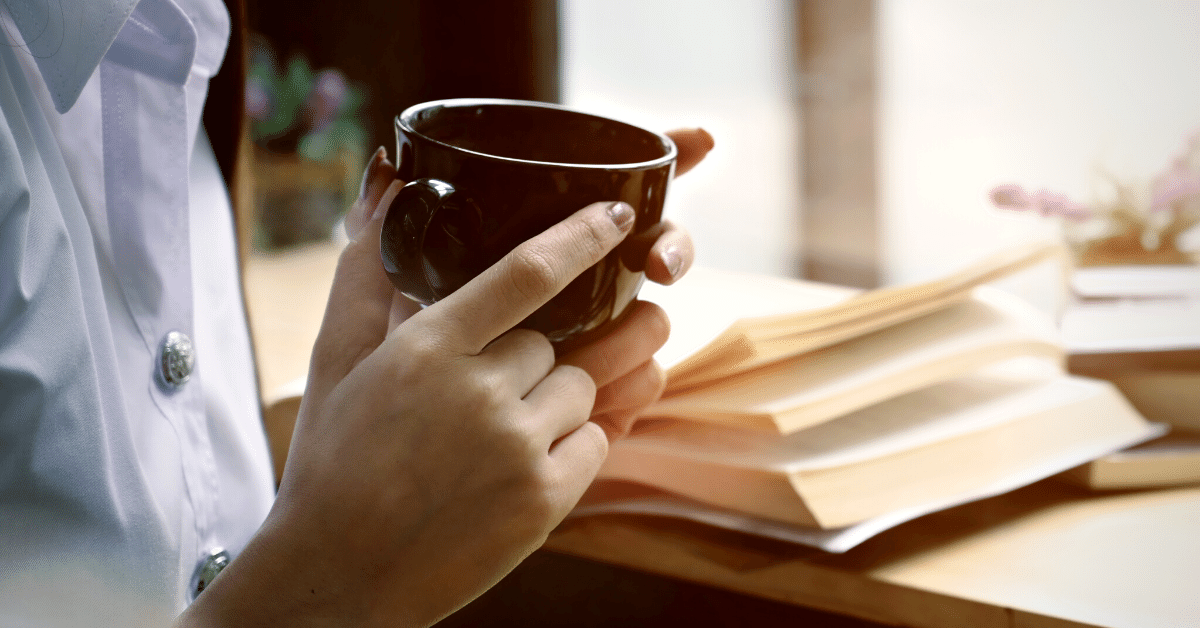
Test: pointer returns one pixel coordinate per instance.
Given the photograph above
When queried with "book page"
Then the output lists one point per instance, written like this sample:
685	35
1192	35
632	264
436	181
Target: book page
1130	325
1143	281
756	339
707	302
650	501
815	386
930	415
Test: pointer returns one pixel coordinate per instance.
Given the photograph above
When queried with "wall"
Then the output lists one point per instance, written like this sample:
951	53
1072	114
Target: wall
725	66
1044	93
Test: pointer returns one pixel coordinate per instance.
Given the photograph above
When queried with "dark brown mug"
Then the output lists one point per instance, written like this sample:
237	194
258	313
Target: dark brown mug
485	175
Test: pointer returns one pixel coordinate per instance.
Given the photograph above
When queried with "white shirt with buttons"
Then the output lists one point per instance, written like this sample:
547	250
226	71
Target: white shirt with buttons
131	447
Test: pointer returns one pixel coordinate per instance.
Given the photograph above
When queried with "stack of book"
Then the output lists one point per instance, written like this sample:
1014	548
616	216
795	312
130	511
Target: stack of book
823	415
1138	326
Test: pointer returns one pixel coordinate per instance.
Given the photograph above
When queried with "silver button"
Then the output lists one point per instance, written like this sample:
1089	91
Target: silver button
208	569
176	358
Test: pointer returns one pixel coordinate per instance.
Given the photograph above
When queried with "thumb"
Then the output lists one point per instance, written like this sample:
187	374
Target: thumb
360	303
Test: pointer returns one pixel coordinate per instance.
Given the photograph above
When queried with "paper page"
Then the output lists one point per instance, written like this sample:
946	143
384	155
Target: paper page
1132	326
766	338
700	306
929	415
992	324
844	539
1136	281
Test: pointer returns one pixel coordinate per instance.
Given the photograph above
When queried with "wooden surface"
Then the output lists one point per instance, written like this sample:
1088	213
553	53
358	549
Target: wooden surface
1047	555
286	295
1050	555
550	589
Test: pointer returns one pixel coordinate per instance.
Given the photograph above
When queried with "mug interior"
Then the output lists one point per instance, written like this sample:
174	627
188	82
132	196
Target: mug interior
537	133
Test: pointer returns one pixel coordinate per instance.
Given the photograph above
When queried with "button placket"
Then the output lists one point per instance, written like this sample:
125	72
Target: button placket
148	217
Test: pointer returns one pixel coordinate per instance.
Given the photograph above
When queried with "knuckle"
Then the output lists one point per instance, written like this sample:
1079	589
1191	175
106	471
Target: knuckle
648	389
422	348
589	455
658	325
531	273
486	392
576	380
635	392
599	440
534	342
658	381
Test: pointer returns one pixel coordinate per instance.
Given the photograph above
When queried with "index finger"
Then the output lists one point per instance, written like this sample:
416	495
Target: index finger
527	277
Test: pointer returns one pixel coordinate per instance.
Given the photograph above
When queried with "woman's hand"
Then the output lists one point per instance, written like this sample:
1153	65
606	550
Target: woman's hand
428	461
621	364
436	449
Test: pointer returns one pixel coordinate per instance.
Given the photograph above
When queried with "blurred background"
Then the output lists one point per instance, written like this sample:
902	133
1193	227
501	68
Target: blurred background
856	141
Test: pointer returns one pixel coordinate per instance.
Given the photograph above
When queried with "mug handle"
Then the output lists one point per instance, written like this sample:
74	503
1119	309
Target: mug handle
431	242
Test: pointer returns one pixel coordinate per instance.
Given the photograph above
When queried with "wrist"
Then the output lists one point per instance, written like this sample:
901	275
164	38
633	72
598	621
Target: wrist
274	581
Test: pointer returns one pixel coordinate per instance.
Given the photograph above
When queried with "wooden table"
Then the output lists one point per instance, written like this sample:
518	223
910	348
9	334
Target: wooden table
1047	555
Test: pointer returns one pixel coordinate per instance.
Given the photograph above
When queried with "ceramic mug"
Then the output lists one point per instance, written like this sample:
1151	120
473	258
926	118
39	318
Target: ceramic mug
485	175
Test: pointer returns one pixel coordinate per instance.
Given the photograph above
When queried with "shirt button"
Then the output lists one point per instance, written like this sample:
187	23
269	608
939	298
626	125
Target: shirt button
176	358
208	569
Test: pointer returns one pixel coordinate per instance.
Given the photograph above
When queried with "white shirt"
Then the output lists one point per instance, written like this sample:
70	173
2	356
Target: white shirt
115	228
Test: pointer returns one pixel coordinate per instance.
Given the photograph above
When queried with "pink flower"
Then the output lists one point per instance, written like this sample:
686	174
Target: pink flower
1011	196
329	91
258	100
1058	204
1176	183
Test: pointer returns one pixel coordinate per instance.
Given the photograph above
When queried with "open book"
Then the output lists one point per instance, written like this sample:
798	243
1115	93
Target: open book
732	323
927	446
986	326
829	414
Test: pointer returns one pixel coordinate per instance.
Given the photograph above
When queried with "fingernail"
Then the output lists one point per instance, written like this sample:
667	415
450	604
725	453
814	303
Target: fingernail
621	214
673	261
372	167
709	143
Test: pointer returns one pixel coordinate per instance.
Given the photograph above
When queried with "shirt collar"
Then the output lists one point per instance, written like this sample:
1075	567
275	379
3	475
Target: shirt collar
68	38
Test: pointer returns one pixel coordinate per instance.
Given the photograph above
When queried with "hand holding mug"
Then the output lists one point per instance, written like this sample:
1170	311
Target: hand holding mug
435	451
486	175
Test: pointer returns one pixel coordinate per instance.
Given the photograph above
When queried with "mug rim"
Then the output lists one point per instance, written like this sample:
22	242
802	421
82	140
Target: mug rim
404	121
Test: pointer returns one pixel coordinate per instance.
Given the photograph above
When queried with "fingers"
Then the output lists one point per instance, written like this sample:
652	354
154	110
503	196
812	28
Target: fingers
577	457
693	145
563	401
359	308
671	255
378	175
526	278
630	345
634	391
616	424
622	365
619	404
525	355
